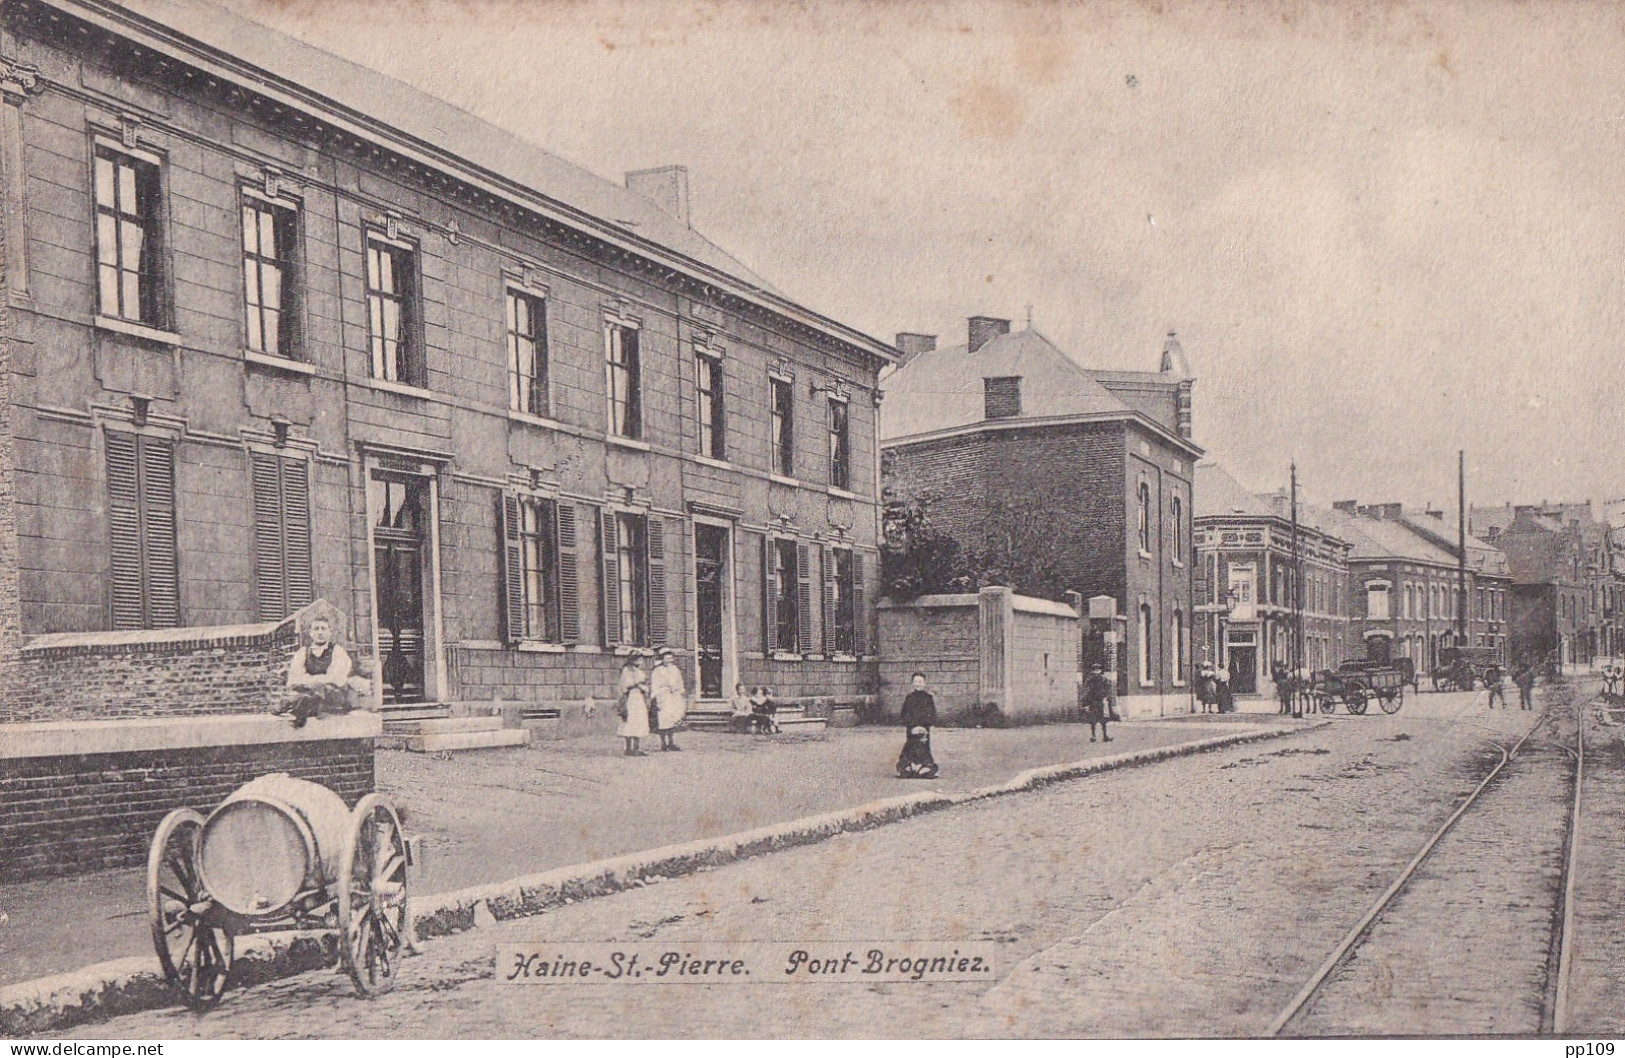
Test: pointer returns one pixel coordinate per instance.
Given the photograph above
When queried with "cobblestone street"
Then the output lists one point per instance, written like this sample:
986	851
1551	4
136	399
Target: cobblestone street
1189	898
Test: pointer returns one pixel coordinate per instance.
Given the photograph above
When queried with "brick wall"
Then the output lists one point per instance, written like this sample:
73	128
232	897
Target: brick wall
69	815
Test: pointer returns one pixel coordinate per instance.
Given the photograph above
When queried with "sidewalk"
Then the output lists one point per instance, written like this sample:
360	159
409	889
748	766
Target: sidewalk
491	815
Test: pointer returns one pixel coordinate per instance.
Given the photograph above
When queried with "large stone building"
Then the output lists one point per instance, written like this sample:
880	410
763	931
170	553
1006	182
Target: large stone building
1065	478
278	328
1246	561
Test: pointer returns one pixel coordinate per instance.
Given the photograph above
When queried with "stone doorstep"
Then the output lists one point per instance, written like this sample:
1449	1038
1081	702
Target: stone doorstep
123	986
487	738
444	726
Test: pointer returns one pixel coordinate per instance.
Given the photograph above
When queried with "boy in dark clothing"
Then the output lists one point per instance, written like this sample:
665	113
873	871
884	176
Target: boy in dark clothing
919	716
1097	701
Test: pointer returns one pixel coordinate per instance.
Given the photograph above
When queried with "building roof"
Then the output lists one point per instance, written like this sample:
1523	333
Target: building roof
1375	539
355	96
1442	530
1215	494
943	389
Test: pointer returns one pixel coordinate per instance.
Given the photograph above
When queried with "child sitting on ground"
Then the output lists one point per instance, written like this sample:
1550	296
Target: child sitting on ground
762	710
741	721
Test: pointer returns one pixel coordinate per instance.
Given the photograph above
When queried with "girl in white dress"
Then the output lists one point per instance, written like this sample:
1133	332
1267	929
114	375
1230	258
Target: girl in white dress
634	703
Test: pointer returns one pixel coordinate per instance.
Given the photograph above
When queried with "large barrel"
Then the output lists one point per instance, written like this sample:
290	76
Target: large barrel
273	838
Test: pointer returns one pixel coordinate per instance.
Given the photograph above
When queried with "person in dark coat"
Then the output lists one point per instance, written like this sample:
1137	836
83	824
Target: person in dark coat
1492	684
1525	679
919	716
1097	701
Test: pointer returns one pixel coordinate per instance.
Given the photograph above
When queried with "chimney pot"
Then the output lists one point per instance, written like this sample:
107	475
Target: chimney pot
665	186
983	329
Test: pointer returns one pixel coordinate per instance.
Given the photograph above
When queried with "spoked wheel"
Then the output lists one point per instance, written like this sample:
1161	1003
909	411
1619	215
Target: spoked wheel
1391	702
1328	704
1357	702
195	951
372	896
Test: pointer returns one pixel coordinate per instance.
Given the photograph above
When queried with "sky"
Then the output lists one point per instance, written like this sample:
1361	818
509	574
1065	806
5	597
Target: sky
1383	231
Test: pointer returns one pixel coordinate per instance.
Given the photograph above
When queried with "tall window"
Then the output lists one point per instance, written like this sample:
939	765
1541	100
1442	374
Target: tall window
842	583
129	243
708	397
1176	510
634	579
1376	602
541	594
786	597
782	425
392	312
527	353
282	574
269	242
1146	631
840	445
1144	513
141	531
624	375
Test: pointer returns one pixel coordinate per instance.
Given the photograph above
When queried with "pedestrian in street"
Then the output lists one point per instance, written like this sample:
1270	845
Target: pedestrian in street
1206	687
1525	679
670	697
1097	701
1226	698
1283	687
1493	684
919	716
634	703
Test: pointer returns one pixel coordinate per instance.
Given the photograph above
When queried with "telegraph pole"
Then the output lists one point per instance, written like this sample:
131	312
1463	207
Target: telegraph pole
1297	581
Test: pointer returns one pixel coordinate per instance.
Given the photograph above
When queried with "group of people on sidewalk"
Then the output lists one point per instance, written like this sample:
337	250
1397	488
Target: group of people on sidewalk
651	702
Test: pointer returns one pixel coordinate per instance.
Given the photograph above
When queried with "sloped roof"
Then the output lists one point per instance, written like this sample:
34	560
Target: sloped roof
1374	538
1481	555
1218	495
361	92
943	389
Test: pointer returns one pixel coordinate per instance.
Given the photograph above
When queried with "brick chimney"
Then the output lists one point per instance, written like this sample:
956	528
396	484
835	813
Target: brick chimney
983	329
910	345
666	187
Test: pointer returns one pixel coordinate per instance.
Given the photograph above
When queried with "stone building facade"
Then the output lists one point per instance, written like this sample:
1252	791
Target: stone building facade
279	328
1065	478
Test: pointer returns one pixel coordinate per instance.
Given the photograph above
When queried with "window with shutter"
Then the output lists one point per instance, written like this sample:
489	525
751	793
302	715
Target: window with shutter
860	615
282	549
804	630
657	582
831	601
609	587
569	575
770	597
632	565
784	593
513	576
141	531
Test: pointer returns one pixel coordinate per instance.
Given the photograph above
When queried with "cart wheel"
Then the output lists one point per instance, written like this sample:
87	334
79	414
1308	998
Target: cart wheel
1390	703
372	896
1328	704
195	952
1357	702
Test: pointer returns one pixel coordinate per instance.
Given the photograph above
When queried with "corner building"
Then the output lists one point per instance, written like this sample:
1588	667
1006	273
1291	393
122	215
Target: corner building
278	329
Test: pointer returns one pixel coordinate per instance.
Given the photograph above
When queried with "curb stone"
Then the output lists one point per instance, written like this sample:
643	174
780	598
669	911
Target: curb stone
125	986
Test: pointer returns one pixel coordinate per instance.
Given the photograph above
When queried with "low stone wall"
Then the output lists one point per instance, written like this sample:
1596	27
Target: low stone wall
989	658
64	813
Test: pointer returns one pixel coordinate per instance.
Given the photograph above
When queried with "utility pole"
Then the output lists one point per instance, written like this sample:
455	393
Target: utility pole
1461	548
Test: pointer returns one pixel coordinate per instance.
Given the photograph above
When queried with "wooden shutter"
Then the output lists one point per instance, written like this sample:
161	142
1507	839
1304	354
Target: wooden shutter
270	580
610	577
296	533
513	568
124	531
655	537
860	614
158	531
569	579
804	630
540	399
830	620
770	598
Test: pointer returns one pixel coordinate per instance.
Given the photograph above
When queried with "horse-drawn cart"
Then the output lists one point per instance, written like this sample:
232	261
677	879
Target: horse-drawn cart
279	854
1356	685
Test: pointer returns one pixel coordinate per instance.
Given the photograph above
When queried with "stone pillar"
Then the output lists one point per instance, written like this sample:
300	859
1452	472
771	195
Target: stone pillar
996	611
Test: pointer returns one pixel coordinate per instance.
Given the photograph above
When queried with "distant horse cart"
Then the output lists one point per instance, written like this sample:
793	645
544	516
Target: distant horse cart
1356	684
279	854
1463	668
